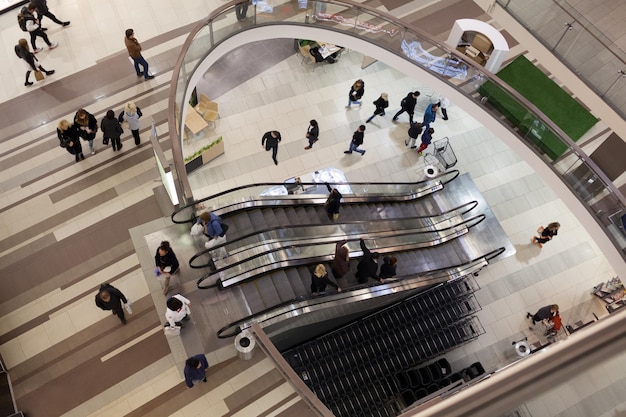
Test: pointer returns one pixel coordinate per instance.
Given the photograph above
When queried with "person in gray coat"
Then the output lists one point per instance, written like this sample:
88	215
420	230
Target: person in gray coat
131	115
111	129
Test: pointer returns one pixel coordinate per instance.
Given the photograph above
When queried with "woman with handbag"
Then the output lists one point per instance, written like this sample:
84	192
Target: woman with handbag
131	115
166	264
332	205
546	234
30	60
69	139
215	230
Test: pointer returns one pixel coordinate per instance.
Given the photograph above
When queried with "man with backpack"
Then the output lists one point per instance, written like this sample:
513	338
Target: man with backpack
28	23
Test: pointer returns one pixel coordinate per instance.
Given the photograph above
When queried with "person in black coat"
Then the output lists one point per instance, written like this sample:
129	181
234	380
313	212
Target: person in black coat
270	140
368	265
30	60
388	268
110	298
408	105
43	10
333	203
111	129
166	263
414	131
357	140
319	280
312	133
356	92
381	104
69	139
87	126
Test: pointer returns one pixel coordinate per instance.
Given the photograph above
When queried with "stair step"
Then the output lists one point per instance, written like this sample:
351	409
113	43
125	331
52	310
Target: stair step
267	290
283	286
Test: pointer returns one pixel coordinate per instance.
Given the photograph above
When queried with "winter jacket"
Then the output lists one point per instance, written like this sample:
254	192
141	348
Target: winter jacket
111	128
367	267
117	298
174	317
133	46
131	117
196	374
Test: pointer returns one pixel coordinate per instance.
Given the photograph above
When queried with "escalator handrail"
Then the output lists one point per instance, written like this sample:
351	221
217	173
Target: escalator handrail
473	204
299	300
469	223
455	173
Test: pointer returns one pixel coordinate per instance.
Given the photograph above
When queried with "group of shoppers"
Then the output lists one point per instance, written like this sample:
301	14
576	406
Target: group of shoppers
85	127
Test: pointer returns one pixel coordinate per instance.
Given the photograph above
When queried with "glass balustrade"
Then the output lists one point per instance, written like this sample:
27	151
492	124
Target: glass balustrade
565	158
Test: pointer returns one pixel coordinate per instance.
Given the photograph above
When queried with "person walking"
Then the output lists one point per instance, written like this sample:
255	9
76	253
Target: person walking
134	51
427	138
177	310
341	262
30	60
111	129
368	265
319	280
87	126
215	230
546	233
414	131
408	105
29	23
381	104
131	115
110	298
312	133
430	114
388	268
270	141
443	105
544	313
166	264
333	203
356	93
357	140
195	370
69	139
43	10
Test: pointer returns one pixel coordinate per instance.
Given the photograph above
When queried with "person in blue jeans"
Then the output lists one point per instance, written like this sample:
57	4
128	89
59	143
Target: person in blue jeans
134	51
357	140
195	370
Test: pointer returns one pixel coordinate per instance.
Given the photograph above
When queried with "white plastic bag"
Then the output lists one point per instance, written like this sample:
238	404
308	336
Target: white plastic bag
171	331
197	229
128	308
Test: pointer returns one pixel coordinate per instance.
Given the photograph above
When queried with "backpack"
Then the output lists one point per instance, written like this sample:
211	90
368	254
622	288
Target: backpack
21	20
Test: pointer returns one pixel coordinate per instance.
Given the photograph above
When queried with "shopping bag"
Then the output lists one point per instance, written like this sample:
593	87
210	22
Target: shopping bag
39	75
171	331
128	308
197	229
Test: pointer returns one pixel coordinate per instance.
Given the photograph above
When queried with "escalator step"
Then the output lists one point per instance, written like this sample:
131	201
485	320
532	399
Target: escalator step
241	225
270	218
281	216
267	290
253	297
283	286
292	217
297	282
257	219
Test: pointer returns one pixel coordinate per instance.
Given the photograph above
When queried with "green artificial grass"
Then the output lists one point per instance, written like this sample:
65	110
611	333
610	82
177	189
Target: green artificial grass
547	96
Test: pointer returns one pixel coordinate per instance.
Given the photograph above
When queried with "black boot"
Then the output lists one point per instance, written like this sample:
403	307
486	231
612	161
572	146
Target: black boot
27	83
46	72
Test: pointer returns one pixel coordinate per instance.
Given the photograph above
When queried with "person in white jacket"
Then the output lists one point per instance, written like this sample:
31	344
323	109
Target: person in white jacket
177	310
131	114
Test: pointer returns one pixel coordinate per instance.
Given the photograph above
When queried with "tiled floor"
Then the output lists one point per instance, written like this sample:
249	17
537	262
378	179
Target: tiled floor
67	227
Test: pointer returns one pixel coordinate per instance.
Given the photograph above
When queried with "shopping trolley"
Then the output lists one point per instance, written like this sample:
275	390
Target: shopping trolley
444	153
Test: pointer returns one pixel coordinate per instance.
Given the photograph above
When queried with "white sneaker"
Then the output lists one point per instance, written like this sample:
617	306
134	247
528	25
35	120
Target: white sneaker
37	50
53	45
93	151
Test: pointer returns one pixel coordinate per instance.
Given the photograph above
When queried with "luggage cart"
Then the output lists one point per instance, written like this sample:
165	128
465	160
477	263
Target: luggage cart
444	153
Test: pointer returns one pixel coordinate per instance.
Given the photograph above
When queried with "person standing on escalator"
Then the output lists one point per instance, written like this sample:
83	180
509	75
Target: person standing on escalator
341	262
368	265
319	280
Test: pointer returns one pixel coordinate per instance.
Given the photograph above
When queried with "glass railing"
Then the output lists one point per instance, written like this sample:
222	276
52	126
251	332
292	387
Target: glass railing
583	177
593	57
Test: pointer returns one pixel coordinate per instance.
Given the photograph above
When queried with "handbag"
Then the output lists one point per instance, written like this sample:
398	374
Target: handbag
39	75
540	229
224	227
171	331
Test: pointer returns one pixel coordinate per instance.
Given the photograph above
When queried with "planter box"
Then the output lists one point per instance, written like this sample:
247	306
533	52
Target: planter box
206	156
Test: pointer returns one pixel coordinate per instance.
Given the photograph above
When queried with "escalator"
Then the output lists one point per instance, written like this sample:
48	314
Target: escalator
273	251
305	310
